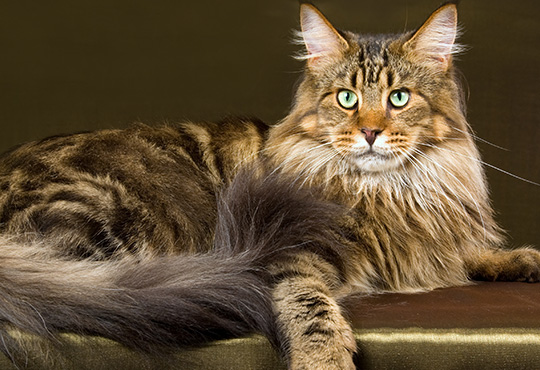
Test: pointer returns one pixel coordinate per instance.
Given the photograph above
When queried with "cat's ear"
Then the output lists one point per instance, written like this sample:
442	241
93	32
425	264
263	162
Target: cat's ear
435	42
320	38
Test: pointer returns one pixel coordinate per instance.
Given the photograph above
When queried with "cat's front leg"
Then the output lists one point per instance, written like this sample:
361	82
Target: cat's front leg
313	332
521	264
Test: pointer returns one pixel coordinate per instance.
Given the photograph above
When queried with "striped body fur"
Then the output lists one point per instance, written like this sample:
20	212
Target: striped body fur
177	235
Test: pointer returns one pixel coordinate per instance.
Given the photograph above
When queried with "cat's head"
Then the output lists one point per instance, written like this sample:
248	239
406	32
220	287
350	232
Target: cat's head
378	102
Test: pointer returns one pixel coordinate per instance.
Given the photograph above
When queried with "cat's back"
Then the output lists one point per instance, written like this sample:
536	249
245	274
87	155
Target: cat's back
110	192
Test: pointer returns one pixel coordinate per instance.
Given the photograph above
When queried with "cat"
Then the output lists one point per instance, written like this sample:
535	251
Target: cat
173	236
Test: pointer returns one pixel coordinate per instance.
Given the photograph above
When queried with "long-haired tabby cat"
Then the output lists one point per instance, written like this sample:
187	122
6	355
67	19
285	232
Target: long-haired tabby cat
177	235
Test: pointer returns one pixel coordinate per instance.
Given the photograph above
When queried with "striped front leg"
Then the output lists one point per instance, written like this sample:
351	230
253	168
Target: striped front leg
313	332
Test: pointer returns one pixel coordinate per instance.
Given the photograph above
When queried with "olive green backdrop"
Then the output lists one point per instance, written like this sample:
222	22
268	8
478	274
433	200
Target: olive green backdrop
68	65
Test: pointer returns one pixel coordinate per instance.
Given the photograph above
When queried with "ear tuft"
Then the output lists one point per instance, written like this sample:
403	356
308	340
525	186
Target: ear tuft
320	38
435	42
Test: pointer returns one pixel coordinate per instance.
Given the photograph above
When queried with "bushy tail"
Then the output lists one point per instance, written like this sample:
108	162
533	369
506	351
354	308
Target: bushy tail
168	301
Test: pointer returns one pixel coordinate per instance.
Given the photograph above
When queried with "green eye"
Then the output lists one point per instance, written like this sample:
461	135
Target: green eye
347	99
399	98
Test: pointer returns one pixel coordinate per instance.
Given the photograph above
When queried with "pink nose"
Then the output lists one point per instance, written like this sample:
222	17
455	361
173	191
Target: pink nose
371	135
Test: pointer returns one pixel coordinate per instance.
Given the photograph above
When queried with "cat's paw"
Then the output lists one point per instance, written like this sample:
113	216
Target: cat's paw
331	352
523	265
513	265
325	361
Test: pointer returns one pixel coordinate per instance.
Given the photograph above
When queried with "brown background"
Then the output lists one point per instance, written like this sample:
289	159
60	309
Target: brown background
72	65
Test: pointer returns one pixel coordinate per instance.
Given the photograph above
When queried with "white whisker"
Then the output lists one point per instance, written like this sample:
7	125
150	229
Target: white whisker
478	138
483	163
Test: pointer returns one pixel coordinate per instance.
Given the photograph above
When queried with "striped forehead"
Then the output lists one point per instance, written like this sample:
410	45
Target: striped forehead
372	59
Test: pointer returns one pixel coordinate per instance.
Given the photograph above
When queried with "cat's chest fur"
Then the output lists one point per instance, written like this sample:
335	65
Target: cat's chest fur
407	232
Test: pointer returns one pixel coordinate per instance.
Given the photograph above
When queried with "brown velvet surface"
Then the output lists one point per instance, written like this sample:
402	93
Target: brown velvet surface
483	305
491	325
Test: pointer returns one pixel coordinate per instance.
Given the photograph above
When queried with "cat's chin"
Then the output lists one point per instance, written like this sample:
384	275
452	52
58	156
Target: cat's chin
376	163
